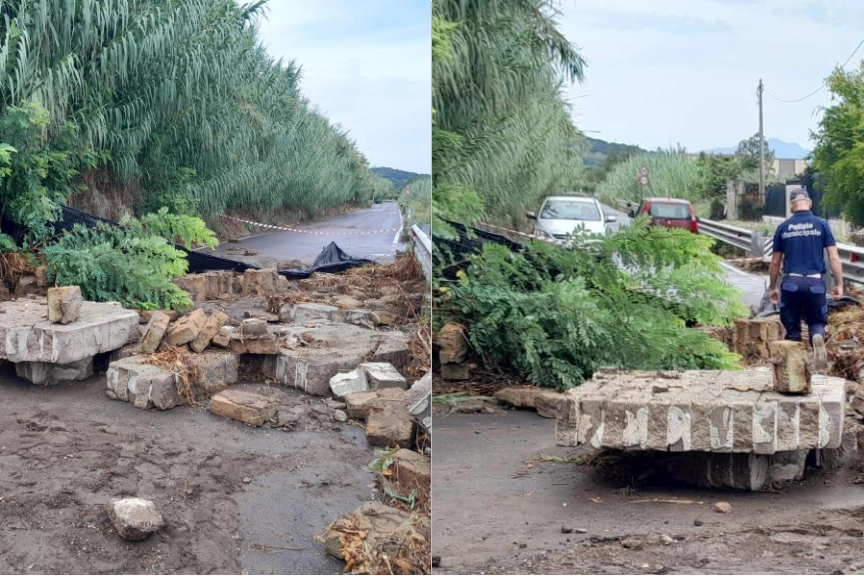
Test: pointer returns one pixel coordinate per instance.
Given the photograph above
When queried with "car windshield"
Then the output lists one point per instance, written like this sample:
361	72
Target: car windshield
570	210
670	210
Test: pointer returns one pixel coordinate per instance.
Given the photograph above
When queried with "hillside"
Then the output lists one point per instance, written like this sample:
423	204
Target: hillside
781	149
598	150
397	177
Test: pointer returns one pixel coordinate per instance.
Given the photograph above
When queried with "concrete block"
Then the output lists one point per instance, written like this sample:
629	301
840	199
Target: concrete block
252	328
186	329
211	327
261	282
791	371
591	417
358	317
143	385
348	383
259	345
390	426
310	313
383	375
742	426
155	331
147	315
64	304
658	427
26	335
218	369
46	374
222	338
567	423
788	436
244	406
452	344
808	423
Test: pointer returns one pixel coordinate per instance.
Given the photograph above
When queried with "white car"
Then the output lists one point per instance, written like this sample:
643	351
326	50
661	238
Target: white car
560	216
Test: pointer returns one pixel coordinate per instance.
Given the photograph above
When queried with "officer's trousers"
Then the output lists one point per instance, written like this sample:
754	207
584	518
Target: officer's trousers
803	298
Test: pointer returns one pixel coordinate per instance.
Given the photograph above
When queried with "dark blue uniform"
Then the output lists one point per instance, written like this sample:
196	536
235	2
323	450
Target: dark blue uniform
802	239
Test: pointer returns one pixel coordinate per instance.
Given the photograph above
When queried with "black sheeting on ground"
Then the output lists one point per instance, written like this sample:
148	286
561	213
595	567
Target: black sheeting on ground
331	259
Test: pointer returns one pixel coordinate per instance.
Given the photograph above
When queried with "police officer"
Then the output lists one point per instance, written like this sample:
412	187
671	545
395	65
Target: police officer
800	243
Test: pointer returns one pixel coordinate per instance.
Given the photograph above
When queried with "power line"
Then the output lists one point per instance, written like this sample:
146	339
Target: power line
821	86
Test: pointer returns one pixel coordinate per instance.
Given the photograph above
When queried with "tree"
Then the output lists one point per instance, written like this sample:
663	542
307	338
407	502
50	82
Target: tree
839	151
717	171
747	155
501	132
669	174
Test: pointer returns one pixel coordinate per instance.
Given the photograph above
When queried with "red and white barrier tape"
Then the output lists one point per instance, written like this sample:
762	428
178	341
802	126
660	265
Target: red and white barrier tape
286	229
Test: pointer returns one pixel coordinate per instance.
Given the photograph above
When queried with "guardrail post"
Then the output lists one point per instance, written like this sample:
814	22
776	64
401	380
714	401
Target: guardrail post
757	245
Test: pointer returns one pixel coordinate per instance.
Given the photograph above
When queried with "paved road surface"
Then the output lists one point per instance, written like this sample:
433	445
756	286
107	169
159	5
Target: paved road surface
303	246
752	286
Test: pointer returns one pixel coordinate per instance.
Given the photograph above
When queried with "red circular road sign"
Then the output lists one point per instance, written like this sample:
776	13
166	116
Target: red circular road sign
643	180
643	171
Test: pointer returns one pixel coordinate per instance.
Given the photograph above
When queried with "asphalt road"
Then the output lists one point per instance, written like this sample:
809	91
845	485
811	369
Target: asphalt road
752	286
306	245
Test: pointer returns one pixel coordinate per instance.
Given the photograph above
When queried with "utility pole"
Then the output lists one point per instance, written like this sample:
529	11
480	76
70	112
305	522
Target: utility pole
761	147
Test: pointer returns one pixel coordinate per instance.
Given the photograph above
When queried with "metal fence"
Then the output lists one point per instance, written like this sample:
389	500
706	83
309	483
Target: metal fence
759	245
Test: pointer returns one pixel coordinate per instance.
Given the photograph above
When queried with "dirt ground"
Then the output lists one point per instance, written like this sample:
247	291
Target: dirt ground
502	508
237	499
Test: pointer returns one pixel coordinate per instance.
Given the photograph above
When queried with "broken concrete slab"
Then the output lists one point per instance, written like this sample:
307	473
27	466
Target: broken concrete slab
135	518
545	402
64	304
333	349
244	406
259	345
143	385
155	331
46	374
349	383
216	285
711	411
186	328
266	316
418	398
211	327
358	317
222	338
26	334
383	375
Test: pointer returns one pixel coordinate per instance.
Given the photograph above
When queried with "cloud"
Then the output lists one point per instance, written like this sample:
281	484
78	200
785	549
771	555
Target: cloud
670	81
367	66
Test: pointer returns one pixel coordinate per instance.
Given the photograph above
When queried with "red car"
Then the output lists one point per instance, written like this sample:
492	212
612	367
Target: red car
669	212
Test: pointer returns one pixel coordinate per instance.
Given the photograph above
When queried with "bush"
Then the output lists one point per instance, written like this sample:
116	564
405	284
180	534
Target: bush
556	316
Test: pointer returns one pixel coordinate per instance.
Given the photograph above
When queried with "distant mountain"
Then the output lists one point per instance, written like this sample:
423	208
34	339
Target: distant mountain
397	177
781	149
599	150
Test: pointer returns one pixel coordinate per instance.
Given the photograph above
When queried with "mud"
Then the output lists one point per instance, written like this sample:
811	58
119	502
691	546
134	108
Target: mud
236	498
501	508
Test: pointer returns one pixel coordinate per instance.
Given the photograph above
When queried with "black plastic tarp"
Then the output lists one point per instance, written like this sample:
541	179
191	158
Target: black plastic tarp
331	259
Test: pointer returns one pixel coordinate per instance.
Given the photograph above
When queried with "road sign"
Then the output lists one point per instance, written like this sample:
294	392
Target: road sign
408	189
643	171
643	180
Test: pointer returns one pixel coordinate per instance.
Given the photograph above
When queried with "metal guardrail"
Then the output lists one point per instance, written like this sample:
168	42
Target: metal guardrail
758	245
423	250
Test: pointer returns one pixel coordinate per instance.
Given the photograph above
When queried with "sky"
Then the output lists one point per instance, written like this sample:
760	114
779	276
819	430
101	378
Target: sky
667	72
367	66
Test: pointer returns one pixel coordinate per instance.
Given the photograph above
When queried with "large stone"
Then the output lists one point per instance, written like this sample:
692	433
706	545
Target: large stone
253	328
143	385
254	345
147	315
389	426
211	327
186	329
349	383
361	404
244	406
261	282
546	402
358	318
222	338
46	374
458	372
64	304
791	371
218	370
26	335
135	518
195	285
215	285
383	375
452	345
155	331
